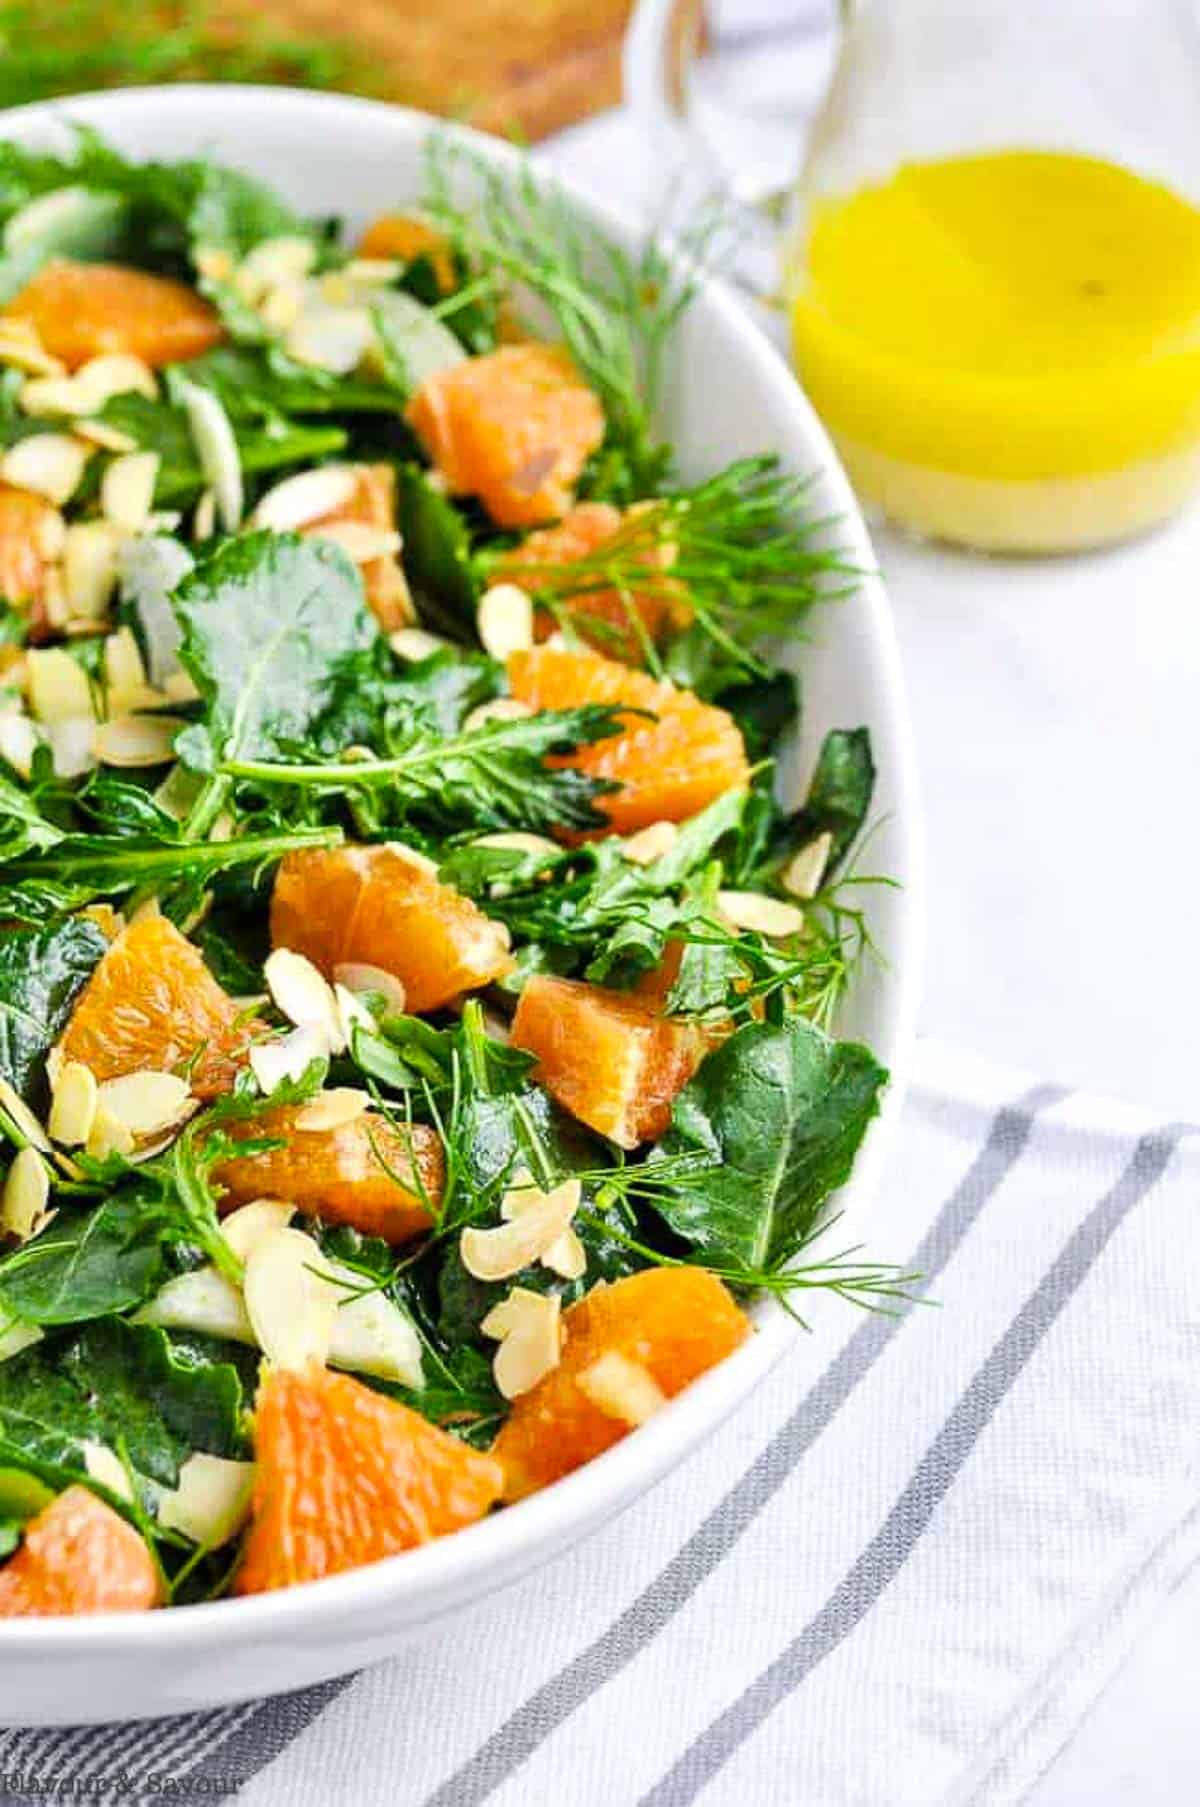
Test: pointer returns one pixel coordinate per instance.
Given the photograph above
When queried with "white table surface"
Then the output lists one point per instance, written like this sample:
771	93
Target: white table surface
1057	713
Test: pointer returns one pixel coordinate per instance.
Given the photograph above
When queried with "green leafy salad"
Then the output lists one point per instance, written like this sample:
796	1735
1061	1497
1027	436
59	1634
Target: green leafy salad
417	1010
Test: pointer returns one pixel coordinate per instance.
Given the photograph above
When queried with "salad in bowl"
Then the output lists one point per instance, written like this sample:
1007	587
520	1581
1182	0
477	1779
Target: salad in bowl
418	1011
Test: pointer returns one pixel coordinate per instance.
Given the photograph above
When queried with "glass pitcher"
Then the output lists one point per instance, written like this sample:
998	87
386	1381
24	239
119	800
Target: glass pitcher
991	264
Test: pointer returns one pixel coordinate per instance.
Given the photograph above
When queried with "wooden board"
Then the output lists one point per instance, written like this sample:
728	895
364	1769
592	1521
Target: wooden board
525	67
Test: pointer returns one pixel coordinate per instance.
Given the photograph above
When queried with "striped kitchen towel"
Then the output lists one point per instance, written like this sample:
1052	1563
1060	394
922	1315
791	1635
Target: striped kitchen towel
897	1577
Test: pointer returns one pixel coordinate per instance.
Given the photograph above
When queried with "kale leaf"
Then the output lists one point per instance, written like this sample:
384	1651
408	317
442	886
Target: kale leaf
42	970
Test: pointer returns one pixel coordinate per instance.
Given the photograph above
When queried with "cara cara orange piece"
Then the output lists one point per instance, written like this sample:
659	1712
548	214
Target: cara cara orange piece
611	1059
373	504
32	538
405	237
346	1477
669	1324
83	310
381	1178
78	1556
616	622
668	767
152	1002
383	906
514	428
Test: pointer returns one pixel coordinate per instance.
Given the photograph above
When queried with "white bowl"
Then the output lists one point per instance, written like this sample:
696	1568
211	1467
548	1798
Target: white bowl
727	394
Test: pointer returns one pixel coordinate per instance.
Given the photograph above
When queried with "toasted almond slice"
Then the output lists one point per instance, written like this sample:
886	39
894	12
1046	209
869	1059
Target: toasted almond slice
534	1221
330	1109
249	1223
650	843
414	856
211	1501
123	665
181	687
51	395
127	490
287	1056
500	709
359	540
762	915
371	1335
137	740
566	1257
505	620
283	258
372	272
281	306
108	1135
113	373
331	338
73	1105
202	1300
414	644
213	262
90	563
19	741
21	348
804	871
147	1103
58	685
302	995
48	464
70	744
529	1328
23	1119
518	841
308	496
360	976
104	1466
217	450
290	1299
352	1013
102	433
621	1388
25	1196
204	520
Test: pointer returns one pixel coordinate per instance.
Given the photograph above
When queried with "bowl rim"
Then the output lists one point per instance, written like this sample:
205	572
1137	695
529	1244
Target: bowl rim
486	1556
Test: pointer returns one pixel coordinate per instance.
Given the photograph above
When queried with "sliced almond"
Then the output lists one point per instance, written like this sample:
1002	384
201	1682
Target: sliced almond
113	373
290	1299
217	451
58	685
51	395
414	644
281	306
372	272
534	1221
352	1013
359	540
500	709
331	1109
505	620
211	1500
123	665
621	1388
805	870
303	996
202	1300
286	1057
279	259
181	687
147	1103
371	1335
249	1223
127	490
19	741
331	338
105	1467
48	464
102	433
108	1135
71	744
761	915
90	565
137	740
213	262
414	856
360	976
73	1105
26	1195
204	520
566	1257
22	1118
308	496
21	348
529	1328
650	843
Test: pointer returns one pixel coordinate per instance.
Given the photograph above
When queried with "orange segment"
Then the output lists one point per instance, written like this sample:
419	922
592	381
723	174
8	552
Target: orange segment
601	616
31	541
404	236
670	767
78	1556
83	310
610	1059
674	1322
373	504
347	1477
380	906
378	1177
152	1002
514	428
